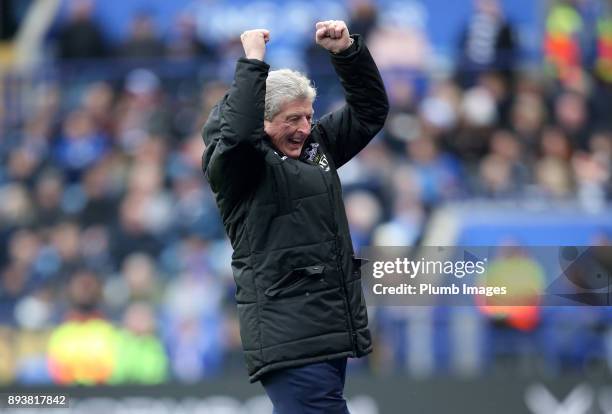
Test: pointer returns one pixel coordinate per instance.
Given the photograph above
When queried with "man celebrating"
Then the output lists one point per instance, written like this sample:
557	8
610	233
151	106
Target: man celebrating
273	172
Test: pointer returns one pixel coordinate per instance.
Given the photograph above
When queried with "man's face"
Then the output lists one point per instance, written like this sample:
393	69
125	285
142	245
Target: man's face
290	128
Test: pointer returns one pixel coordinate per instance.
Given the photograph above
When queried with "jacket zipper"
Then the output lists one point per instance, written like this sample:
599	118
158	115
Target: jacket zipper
352	333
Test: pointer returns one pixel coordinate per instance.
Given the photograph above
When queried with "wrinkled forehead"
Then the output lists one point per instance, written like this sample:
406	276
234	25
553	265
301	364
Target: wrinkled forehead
301	106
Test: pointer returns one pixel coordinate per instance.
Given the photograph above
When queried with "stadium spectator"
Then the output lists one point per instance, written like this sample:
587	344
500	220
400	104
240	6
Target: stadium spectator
193	328
183	42
437	174
81	37
98	104
572	116
528	117
140	357
505	145
48	195
141	279
65	237
80	146
144	41
363	212
364	18
72	356
130	233
486	44
141	110
99	206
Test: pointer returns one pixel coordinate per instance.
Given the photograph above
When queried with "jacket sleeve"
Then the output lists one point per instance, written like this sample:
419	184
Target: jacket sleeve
234	130
349	129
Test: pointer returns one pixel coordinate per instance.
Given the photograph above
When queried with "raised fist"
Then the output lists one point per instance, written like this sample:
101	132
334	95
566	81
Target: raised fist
254	43
333	35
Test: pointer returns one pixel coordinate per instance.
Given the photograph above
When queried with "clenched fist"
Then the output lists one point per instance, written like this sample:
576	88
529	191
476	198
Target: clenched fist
333	35
254	43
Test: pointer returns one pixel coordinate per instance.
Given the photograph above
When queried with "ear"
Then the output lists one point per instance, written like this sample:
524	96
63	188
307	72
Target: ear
267	126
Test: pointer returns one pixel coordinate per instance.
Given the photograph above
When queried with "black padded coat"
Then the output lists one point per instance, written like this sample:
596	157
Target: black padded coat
299	292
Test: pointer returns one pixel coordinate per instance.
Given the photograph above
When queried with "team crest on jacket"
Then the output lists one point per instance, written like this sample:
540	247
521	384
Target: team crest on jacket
315	156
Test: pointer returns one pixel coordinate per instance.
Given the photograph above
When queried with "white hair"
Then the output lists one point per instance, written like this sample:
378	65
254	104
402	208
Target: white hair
285	85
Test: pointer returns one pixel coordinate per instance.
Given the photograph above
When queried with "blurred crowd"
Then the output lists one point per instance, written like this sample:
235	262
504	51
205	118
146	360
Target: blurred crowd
79	36
114	265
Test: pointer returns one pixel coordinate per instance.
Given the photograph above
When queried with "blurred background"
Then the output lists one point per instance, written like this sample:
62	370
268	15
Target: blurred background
114	267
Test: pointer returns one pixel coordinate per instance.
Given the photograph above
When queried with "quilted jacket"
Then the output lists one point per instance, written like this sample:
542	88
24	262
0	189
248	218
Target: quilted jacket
299	294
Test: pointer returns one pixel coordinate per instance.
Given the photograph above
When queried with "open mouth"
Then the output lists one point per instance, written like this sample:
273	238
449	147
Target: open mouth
296	141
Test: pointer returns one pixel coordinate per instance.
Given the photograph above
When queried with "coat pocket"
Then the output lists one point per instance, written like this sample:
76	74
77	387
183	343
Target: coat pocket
298	281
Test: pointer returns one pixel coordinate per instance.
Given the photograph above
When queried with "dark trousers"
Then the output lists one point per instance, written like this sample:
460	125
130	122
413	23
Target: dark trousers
309	389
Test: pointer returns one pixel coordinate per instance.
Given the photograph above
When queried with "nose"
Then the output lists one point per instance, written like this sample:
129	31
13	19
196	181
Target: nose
304	126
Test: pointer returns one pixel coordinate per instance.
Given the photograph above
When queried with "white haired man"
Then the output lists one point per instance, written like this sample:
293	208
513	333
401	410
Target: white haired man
273	172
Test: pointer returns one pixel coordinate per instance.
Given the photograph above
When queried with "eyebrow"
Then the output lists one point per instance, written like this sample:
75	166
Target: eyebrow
310	114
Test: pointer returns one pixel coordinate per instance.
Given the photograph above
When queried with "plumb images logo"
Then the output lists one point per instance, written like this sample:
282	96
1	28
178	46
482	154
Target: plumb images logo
586	275
464	275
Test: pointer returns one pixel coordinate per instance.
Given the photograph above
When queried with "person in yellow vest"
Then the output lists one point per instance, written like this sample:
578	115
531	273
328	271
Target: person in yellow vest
88	349
81	349
524	280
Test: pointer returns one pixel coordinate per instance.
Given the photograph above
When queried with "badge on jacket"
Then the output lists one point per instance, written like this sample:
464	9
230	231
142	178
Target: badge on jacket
315	156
